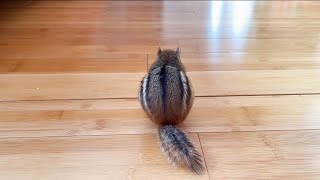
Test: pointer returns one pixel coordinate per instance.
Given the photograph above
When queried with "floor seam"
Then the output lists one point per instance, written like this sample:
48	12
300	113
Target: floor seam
204	96
133	134
204	158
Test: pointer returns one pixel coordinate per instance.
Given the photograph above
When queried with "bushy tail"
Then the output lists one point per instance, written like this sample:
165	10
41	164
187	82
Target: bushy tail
179	149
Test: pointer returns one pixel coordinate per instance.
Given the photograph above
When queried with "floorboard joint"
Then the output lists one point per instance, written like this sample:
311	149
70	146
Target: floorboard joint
204	158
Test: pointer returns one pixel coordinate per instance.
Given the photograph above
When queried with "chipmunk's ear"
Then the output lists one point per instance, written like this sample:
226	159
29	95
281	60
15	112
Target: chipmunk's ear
178	51
159	51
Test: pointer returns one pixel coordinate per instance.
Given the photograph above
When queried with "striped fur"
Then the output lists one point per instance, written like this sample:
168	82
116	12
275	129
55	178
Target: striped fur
163	82
179	149
185	90
166	96
144	92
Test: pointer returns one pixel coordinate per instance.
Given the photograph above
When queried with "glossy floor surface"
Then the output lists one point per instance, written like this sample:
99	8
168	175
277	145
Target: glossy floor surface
70	73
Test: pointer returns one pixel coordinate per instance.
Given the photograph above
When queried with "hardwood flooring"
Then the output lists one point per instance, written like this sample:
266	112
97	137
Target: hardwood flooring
70	74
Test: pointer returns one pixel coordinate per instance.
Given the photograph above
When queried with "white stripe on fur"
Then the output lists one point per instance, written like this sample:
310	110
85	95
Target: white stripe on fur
185	90
144	92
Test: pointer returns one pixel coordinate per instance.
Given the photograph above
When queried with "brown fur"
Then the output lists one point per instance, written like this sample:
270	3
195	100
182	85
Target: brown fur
166	96
173	113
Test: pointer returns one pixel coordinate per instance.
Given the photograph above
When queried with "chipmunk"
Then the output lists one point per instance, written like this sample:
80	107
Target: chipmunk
166	96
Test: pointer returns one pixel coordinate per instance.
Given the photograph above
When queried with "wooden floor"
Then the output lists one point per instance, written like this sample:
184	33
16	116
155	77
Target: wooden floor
70	73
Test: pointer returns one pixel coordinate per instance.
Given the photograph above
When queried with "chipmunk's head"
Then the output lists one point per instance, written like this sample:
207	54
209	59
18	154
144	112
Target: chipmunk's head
169	56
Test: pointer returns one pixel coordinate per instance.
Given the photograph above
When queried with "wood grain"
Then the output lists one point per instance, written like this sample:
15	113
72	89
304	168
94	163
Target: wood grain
174	5
63	36
70	73
96	157
267	155
70	86
234	61
109	63
206	83
145	12
125	116
50	14
220	83
248	45
98	50
186	24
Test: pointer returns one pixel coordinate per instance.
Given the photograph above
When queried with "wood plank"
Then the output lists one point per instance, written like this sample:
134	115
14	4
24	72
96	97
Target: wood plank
255	113
259	9
221	83
14	36
97	4
154	13
125	116
75	15
205	83
154	24
109	63
98	157
247	61
153	18
69	117
285	5
248	45
267	155
105	48
174	14
125	41
69	86
72	59
96	49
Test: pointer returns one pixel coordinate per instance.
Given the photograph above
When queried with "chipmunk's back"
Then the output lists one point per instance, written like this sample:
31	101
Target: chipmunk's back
166	97
166	92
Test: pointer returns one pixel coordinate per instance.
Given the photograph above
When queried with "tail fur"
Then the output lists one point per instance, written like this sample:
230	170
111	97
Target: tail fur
179	149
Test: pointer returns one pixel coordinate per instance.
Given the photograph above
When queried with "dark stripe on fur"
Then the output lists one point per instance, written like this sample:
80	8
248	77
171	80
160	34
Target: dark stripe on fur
141	90
179	149
189	91
163	81
181	87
